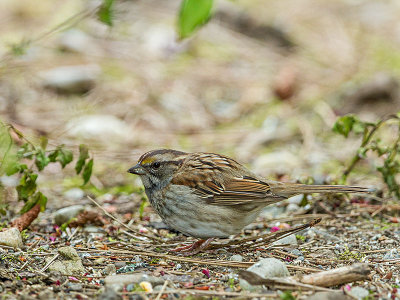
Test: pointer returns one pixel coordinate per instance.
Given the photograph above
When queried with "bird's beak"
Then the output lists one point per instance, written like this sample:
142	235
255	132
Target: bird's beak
138	170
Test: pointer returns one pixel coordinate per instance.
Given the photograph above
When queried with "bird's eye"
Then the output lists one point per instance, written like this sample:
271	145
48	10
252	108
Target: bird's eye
156	165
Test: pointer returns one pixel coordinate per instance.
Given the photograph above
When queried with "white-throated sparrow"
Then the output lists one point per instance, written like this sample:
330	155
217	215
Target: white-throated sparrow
207	195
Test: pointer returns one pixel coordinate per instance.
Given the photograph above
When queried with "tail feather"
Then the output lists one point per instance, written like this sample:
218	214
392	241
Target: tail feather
291	189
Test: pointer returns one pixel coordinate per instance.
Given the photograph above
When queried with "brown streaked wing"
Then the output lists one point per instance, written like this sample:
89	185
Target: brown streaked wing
245	190
239	190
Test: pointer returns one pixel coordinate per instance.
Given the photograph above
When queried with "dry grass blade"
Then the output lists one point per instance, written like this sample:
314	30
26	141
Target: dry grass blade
266	238
122	224
211	262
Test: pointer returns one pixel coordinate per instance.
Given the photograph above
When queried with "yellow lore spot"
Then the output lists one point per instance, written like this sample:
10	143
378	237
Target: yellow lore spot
146	161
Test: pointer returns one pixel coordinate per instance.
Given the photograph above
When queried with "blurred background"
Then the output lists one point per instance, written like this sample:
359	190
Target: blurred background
263	82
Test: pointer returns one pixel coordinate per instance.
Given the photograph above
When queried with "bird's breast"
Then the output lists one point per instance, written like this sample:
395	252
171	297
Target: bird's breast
183	210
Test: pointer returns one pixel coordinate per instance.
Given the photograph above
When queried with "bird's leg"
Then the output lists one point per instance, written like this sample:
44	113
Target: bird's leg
194	248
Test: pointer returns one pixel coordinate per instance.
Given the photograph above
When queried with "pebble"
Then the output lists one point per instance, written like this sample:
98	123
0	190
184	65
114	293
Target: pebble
11	237
68	253
296	199
109	294
292	207
266	268
323	233
329	296
359	292
118	281
74	194
130	287
9	181
69	262
296	252
236	257
102	127
65	214
120	264
75	40
70	79
76	287
290	240
100	261
110	269
46	294
392	254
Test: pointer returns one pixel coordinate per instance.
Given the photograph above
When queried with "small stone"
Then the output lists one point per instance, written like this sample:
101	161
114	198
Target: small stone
70	262
9	181
92	229
76	287
266	268
392	254
75	40
292	207
159	287
296	199
101	127
118	281
11	237
46	294
74	194
110	269
120	264
130	287
329	296
65	214
236	257
100	261
296	252
110	294
70	79
289	240
68	253
359	292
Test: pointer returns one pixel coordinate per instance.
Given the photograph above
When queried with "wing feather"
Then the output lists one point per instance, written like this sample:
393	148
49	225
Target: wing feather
226	186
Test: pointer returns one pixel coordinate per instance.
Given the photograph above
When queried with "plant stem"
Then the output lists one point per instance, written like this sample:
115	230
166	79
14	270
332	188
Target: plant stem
366	139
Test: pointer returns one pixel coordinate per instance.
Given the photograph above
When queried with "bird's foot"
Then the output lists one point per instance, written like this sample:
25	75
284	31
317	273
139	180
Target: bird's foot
194	248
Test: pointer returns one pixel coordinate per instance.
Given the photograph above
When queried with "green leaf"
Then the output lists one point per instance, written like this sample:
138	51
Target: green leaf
64	157
192	15
287	295
344	125
41	160
38	198
106	13
41	200
27	186
43	142
28	205
87	171
53	155
83	155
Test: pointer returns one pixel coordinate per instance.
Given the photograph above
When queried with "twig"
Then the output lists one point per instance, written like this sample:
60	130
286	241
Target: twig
208	293
223	263
122	224
49	263
162	290
338	276
278	283
72	235
266	238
